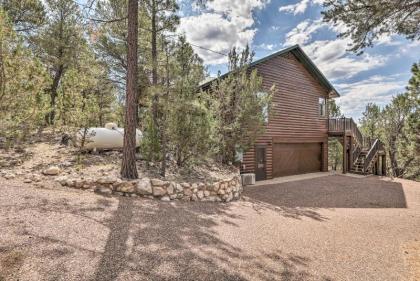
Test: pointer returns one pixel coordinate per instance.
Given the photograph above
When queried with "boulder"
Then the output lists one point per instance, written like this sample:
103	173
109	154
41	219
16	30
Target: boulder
157	182
62	180
9	176
178	187
125	186
107	180
52	171
165	198
144	187
170	189
159	191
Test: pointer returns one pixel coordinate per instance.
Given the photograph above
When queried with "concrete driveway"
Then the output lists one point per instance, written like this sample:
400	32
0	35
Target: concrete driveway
325	228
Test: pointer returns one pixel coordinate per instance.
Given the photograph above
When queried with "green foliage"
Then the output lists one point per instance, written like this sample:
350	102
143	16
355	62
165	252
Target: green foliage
366	21
22	83
370	121
188	119
241	106
398	126
334	110
25	15
335	149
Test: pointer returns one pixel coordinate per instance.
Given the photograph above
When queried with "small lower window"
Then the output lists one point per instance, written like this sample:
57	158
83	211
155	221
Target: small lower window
322	107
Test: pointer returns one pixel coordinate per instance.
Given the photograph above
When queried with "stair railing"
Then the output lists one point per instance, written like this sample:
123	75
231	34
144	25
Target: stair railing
356	152
371	155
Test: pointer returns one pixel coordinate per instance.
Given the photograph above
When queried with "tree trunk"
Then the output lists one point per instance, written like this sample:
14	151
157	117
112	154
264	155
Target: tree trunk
155	98
393	156
163	133
128	165
50	117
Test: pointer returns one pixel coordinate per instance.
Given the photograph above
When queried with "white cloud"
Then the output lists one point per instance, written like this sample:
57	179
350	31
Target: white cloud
375	89
330	55
336	63
268	47
223	25
300	7
302	33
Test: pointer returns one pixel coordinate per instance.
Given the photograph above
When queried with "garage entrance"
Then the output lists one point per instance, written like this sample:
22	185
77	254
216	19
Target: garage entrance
296	158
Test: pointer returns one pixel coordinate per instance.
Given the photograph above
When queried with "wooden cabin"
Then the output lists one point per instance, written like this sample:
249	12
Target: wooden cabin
295	140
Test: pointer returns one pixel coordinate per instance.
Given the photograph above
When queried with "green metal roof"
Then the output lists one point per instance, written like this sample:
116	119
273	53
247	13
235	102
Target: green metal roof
303	58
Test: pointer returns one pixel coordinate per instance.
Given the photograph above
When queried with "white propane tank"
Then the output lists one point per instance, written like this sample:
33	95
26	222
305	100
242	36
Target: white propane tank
110	137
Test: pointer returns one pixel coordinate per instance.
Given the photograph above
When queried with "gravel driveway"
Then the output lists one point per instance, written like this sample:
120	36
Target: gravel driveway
328	228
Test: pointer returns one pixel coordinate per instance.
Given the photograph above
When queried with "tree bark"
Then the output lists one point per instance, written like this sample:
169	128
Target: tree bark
128	165
50	118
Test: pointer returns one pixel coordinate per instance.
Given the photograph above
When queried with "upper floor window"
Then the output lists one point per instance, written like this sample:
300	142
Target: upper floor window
322	107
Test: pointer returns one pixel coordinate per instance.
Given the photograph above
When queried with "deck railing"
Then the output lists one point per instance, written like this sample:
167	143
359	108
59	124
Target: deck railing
343	125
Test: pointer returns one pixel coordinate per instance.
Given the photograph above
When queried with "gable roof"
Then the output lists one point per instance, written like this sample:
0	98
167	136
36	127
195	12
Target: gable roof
302	58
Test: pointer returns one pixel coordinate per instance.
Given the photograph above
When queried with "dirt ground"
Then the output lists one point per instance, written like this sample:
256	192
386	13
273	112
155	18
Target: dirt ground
326	228
30	160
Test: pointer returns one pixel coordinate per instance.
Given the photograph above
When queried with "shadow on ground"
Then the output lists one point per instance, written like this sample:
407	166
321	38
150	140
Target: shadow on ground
329	192
118	238
158	241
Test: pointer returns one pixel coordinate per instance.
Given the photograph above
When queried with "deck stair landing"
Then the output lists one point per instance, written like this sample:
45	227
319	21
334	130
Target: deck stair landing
364	151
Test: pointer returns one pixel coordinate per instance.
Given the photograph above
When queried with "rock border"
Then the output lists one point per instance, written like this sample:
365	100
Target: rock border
221	191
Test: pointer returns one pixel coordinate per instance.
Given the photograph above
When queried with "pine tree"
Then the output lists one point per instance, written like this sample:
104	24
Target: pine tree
241	106
128	165
58	45
366	21
22	83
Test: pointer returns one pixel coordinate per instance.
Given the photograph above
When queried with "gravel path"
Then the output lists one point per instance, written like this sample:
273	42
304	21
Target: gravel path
329	228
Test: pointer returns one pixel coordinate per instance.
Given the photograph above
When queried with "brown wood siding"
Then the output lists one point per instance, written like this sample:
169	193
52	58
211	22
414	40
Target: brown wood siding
294	115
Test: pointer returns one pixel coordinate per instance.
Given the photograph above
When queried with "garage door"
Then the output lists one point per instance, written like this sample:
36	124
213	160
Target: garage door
296	158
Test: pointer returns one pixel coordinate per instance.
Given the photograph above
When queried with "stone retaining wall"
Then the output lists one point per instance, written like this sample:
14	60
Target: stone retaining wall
222	191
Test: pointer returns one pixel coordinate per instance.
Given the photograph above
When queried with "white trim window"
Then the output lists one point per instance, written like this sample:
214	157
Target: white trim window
322	102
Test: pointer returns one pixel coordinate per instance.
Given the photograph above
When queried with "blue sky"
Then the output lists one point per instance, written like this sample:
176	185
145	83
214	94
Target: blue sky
271	25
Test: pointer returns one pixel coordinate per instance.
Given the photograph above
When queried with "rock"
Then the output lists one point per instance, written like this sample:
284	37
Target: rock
144	187
108	180
201	186
170	189
78	183
62	180
206	193
173	196
200	194
27	180
9	176
159	191
103	190
157	182
165	198
52	171
216	186
178	187
185	185
125	186
188	192
194	197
